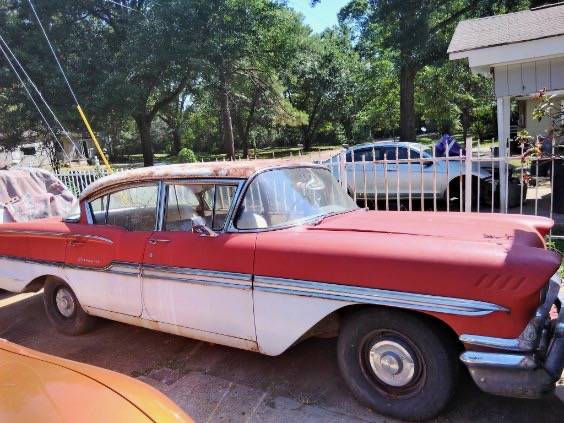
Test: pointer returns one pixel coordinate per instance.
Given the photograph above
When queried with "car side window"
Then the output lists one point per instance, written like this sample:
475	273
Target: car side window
359	153
392	151
133	209
365	153
188	201
98	208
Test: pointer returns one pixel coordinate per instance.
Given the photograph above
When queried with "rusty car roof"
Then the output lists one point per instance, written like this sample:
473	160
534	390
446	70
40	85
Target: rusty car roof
241	169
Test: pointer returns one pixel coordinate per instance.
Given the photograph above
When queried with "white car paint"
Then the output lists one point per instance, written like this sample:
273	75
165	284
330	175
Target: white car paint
383	179
107	289
16	274
210	308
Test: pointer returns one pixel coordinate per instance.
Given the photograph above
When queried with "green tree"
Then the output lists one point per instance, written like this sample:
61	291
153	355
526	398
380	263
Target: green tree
450	95
417	34
150	47
380	98
250	40
174	116
126	58
323	82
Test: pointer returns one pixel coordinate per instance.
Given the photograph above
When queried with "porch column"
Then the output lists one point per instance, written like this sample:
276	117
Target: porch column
503	124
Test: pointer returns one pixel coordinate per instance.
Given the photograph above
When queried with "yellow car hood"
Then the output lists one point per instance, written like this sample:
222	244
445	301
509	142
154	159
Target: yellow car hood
39	387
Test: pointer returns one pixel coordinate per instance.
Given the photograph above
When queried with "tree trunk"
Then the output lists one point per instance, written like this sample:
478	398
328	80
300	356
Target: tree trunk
144	123
308	139
176	142
226	123
248	125
407	103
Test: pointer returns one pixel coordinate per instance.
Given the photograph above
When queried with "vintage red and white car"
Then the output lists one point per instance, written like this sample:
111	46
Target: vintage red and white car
261	255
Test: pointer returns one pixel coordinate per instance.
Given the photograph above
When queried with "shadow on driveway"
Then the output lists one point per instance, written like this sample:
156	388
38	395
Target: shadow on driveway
215	383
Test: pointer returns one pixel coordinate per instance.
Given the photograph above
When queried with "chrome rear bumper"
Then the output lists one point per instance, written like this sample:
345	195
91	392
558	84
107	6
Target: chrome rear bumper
524	367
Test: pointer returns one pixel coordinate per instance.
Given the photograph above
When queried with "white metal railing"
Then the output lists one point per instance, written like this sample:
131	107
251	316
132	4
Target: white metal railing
435	183
78	180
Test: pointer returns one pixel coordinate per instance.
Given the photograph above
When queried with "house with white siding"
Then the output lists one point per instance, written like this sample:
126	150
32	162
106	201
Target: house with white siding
524	53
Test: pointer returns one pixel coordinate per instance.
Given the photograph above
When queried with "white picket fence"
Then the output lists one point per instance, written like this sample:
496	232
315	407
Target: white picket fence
78	180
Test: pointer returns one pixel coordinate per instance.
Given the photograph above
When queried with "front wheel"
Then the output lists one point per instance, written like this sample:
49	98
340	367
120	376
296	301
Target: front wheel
64	310
397	363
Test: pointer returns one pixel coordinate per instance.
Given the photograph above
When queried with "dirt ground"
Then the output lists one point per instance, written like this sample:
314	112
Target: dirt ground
219	384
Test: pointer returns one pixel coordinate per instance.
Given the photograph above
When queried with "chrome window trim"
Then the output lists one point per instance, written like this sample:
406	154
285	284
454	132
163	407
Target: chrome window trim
231	227
89	216
355	294
201	181
113	190
161	200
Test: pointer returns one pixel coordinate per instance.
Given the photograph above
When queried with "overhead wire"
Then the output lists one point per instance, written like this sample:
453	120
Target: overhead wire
34	86
123	5
33	101
53	51
78	107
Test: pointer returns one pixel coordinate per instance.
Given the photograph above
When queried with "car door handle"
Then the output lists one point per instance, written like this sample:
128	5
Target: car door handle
76	242
159	241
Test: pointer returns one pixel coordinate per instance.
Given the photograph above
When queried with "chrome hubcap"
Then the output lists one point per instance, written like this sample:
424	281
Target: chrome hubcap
392	363
65	302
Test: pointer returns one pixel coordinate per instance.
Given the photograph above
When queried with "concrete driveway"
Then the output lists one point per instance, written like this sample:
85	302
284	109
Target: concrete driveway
219	384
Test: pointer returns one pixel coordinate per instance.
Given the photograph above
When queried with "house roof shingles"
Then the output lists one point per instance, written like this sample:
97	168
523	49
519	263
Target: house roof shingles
508	29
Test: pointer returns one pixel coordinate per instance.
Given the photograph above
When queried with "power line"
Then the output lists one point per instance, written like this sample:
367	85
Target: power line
79	109
30	81
123	5
53	51
33	101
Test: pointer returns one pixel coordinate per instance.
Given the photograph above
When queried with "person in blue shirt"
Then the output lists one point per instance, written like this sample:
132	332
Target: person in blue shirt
448	146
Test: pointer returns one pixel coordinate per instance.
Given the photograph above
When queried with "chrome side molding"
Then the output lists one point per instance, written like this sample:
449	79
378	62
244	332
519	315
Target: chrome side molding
198	276
399	299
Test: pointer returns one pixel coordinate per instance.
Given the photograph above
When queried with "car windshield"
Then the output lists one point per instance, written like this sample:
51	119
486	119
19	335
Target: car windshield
283	197
427	153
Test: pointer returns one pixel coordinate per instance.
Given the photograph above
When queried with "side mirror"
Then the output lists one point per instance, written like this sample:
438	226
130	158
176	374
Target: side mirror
428	163
199	227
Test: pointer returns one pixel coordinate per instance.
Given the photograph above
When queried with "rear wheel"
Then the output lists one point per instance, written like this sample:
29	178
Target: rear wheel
396	363
64	310
457	191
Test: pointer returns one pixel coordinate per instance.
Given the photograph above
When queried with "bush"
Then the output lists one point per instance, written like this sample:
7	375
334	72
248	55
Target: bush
187	156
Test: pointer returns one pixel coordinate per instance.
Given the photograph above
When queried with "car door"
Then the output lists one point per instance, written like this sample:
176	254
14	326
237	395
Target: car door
361	171
202	282
104	255
402	171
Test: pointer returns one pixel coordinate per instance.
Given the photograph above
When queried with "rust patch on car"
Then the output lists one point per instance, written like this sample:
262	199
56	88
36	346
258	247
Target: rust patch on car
237	170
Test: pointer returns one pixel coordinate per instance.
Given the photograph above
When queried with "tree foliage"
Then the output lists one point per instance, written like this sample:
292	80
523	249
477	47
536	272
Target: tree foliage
233	75
417	34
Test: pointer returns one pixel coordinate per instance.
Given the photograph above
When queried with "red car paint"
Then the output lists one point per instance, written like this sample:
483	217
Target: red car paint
494	258
499	259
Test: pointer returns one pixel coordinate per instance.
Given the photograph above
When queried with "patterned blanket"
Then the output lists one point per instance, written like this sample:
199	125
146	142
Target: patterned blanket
27	194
